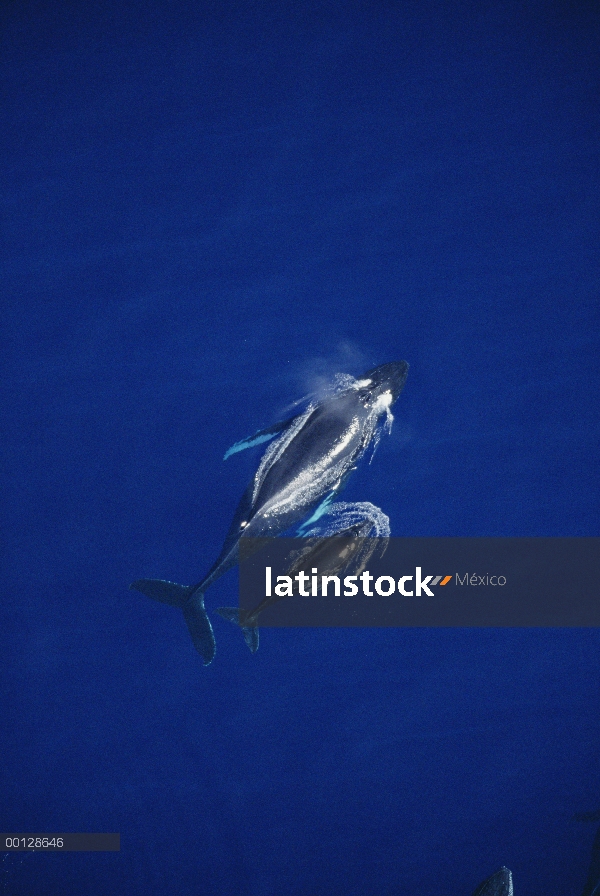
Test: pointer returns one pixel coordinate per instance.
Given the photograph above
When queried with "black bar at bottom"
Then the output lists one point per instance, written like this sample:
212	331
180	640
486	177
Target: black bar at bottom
60	842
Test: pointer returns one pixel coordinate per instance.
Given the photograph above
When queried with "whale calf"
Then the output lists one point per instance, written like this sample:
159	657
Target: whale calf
345	540
307	463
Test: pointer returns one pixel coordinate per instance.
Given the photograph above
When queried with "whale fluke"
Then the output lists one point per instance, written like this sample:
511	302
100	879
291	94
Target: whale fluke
190	601
250	632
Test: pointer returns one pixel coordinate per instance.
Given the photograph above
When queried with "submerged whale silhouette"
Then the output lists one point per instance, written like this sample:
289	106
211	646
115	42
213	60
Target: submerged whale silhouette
592	884
352	534
299	474
499	884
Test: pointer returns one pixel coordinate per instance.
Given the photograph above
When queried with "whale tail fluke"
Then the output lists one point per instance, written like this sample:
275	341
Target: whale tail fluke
250	632
191	602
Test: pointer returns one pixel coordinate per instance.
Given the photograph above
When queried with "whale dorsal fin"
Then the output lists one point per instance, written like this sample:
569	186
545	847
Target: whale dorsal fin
263	435
499	884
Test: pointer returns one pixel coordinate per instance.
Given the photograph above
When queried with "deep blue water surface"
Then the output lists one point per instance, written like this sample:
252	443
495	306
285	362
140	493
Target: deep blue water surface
210	209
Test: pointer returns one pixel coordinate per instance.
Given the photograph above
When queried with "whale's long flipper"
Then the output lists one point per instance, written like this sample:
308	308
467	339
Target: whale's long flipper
191	602
321	510
263	435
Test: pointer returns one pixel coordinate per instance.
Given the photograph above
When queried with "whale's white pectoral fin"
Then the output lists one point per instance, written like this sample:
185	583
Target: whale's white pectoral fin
248	443
319	512
263	435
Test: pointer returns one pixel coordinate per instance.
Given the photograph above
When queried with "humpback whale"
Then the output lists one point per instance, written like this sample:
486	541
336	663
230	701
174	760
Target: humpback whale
307	463
592	885
499	884
352	534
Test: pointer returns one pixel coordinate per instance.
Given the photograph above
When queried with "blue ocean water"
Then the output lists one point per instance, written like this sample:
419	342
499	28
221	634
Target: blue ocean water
209	210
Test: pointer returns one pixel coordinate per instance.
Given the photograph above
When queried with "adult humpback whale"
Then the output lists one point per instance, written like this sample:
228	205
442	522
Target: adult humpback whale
299	474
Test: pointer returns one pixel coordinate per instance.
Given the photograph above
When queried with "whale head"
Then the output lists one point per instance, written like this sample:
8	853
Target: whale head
383	383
